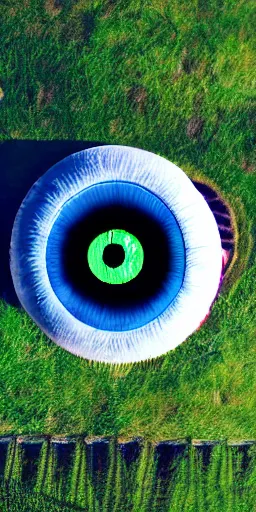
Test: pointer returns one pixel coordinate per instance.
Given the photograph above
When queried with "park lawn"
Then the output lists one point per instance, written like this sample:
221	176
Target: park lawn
139	74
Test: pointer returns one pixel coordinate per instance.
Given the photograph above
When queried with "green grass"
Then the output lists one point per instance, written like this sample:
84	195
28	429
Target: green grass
133	74
227	481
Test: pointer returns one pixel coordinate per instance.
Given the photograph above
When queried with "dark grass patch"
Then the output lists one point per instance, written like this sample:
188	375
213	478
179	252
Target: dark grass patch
59	3
79	27
195	127
54	7
137	97
248	167
45	97
89	23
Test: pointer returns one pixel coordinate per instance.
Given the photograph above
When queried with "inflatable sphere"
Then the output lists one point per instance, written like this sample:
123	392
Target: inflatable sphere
115	254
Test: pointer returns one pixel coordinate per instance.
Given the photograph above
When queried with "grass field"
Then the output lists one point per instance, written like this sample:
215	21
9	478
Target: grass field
177	79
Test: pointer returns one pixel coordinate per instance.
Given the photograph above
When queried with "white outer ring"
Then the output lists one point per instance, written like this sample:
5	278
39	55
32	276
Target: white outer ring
200	233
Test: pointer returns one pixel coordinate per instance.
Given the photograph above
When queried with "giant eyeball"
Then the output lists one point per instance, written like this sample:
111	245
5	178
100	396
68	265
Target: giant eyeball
115	254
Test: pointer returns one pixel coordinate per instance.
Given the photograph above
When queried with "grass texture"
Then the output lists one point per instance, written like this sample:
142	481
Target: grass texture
226	481
174	78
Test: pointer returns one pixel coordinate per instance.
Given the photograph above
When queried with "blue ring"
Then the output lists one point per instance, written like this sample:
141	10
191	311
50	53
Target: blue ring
104	194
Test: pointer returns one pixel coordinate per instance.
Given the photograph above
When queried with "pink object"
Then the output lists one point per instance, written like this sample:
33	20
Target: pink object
225	258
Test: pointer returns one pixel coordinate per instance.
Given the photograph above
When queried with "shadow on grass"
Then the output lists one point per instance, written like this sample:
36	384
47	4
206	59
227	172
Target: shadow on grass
22	164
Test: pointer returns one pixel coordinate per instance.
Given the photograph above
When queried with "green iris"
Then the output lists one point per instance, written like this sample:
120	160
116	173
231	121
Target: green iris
115	257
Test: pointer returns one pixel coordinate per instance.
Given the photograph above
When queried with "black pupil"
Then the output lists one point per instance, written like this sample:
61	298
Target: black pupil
157	258
113	255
